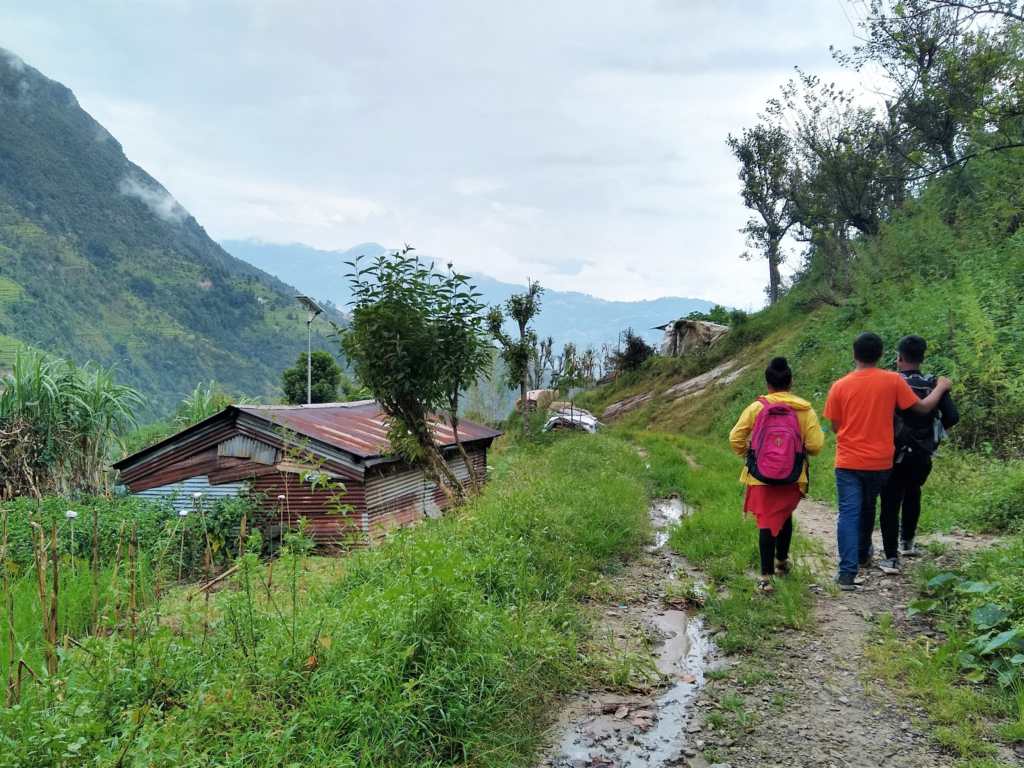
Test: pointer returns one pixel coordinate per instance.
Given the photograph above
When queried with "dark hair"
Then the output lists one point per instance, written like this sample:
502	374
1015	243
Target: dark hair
777	374
868	348
912	348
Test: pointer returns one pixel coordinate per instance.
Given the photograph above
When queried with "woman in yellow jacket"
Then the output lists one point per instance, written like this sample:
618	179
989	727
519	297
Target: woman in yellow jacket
772	505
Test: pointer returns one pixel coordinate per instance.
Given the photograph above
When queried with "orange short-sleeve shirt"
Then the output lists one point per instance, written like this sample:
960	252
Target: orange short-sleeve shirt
861	406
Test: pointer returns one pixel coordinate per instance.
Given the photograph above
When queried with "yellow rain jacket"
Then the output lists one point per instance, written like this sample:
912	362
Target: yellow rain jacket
810	429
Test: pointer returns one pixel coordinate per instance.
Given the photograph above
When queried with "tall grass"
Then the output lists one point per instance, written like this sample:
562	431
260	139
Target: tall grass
442	647
58	425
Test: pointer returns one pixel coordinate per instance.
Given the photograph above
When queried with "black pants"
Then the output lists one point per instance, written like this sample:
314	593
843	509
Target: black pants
774	547
903	492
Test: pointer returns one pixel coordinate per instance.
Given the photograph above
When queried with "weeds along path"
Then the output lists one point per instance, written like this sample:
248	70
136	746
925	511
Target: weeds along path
659	653
810	701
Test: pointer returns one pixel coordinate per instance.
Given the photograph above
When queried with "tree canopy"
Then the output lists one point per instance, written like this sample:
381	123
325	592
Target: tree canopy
326	379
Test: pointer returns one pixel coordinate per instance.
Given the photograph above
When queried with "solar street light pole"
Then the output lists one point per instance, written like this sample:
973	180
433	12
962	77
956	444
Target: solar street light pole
313	309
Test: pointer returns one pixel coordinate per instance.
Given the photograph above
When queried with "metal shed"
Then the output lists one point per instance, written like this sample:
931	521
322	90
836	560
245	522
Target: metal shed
269	449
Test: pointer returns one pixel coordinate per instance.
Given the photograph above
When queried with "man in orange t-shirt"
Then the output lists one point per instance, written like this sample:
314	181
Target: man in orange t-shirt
861	406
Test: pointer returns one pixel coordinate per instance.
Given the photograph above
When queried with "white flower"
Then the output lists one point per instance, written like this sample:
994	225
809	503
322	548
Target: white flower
71	514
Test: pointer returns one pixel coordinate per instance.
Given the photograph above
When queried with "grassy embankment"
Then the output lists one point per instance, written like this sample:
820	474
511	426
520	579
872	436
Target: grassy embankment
445	646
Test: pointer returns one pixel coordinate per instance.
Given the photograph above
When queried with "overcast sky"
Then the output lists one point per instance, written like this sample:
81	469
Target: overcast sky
578	142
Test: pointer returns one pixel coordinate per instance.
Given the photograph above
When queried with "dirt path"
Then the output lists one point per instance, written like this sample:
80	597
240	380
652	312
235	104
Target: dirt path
652	725
822	714
805	706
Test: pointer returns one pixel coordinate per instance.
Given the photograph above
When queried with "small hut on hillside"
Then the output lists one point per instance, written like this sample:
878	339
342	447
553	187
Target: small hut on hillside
685	336
268	450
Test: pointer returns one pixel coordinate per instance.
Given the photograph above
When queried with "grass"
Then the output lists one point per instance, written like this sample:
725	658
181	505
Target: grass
722	542
445	646
967	719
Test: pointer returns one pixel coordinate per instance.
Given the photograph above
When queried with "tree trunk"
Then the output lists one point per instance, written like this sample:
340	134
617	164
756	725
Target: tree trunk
774	276
523	404
473	479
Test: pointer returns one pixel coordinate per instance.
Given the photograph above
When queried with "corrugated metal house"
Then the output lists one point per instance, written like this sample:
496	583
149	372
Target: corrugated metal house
271	450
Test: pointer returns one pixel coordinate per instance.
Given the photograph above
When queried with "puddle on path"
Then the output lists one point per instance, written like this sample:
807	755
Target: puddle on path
602	730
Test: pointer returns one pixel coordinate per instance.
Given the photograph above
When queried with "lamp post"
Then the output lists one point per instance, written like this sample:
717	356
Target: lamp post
313	309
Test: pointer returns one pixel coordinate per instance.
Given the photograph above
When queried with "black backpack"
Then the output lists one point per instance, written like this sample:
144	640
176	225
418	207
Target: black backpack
918	433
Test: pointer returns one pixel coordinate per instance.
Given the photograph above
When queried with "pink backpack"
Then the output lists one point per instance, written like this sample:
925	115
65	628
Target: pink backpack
776	455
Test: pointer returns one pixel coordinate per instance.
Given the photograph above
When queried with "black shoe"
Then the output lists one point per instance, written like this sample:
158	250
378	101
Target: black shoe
846	582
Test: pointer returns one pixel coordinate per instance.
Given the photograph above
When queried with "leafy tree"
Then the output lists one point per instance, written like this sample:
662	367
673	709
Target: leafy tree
411	341
765	155
463	348
326	378
951	68
717	314
634	353
518	352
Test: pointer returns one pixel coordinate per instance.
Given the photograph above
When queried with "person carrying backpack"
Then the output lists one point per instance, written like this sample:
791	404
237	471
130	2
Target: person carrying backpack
917	437
861	406
777	434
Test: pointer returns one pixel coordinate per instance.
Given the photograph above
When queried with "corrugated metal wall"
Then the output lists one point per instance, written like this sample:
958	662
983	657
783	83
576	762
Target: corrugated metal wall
328	529
243	447
403	495
179	495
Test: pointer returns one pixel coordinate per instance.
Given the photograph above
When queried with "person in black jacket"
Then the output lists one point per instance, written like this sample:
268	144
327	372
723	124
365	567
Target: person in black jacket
917	438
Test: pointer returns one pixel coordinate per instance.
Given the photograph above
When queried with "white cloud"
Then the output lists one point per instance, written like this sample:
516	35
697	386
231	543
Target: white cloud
158	200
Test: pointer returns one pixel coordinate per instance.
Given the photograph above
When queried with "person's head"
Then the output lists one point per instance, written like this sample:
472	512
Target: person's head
910	352
778	375
868	348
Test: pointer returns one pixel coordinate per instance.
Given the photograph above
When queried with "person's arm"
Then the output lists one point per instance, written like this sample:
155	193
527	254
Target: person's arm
948	412
739	436
930	403
832	410
814	438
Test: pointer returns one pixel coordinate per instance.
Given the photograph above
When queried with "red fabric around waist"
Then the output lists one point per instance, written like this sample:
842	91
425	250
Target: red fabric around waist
771	505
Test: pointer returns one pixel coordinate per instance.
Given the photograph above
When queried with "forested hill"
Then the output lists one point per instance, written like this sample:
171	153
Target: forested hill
99	262
566	316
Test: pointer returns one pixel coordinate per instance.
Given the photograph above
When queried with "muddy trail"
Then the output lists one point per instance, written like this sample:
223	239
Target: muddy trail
817	706
812	706
655	727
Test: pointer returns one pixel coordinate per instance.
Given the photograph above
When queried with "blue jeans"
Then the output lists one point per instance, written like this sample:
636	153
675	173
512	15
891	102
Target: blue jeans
857	493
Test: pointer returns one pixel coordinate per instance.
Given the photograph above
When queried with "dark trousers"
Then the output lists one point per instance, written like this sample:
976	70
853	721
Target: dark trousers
774	547
857	493
903	493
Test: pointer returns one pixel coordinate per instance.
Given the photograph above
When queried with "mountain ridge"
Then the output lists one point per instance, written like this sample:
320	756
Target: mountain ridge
565	315
99	262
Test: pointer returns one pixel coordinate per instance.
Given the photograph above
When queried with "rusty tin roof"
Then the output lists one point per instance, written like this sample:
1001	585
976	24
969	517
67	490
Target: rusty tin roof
357	428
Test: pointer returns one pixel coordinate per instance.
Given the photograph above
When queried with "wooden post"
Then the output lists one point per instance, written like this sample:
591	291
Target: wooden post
12	696
94	567
51	666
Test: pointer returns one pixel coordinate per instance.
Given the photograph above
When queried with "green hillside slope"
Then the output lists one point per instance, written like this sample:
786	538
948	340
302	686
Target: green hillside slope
98	261
955	277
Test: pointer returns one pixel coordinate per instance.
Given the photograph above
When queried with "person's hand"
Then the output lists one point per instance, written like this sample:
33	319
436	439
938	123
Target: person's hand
944	384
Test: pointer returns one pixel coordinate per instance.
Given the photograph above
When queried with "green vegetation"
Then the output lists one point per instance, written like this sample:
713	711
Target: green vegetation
326	377
417	340
441	647
115	271
116	556
517	353
722	542
59	425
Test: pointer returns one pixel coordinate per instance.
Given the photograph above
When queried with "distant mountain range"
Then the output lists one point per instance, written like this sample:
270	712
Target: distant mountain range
565	315
99	262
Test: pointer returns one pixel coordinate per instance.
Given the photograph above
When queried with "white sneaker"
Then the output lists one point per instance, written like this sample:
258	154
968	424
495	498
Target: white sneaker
909	549
889	566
